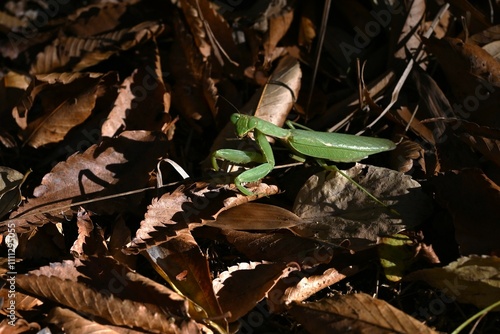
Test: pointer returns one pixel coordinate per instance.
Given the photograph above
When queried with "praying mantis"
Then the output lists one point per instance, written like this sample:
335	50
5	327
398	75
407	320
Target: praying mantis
304	143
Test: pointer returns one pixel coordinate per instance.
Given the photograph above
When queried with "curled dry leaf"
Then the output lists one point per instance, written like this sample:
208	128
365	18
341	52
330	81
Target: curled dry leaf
408	155
242	286
304	287
280	92
338	209
90	239
482	138
116	165
21	326
300	285
356	313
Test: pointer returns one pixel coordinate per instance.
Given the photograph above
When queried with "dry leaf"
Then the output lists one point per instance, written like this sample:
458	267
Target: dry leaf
255	216
66	52
278	247
143	100
473	279
116	165
20	326
90	241
280	92
278	27
172	213
74	323
408	156
181	263
64	107
212	33
307	287
355	313
106	306
241	287
97	18
340	210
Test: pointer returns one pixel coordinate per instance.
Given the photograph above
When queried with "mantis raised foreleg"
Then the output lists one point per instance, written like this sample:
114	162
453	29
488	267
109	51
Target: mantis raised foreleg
320	145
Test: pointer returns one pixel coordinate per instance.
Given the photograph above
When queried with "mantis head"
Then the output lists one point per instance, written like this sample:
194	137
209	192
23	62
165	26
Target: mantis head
243	124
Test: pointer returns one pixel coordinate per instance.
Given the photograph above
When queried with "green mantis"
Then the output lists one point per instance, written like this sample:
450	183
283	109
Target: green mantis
319	145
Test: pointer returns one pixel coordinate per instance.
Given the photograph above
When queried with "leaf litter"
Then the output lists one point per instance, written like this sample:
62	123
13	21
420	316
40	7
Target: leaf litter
95	94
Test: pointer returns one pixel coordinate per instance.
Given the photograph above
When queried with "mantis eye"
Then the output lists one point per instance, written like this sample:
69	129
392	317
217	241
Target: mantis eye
235	118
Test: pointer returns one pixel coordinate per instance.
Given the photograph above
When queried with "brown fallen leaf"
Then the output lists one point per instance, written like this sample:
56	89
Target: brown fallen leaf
278	27
339	209
90	241
66	52
106	306
300	285
212	33
280	92
181	263
143	100
189	69
97	18
64	106
408	156
73	322
20	326
174	212
255	216
281	247
473	279
117	280
242	286
355	313
308	286
116	165
23	302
